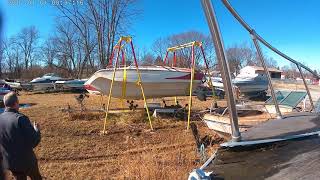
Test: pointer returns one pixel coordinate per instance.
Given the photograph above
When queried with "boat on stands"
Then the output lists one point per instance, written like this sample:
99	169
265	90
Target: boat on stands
45	82
157	81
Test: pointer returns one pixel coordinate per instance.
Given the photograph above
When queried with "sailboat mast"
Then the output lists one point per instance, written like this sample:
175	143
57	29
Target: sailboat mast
224	66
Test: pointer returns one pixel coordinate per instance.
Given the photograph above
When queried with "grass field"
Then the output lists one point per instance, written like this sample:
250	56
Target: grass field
73	148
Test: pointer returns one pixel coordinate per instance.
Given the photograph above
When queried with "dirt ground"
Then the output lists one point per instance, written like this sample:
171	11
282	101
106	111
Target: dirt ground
73	148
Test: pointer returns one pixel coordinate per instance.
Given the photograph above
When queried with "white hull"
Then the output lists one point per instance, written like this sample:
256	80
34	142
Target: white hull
251	85
245	84
157	82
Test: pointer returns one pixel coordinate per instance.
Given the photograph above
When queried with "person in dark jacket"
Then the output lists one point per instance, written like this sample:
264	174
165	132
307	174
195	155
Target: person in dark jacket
18	137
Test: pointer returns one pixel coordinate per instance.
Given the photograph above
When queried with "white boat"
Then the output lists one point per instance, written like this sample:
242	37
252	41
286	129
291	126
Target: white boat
13	84
158	81
71	84
45	82
248	83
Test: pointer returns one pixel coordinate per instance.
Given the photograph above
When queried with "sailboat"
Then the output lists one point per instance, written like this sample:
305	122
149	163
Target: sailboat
158	81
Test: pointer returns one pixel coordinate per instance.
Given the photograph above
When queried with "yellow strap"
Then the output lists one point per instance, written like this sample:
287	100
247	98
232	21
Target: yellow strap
190	95
124	85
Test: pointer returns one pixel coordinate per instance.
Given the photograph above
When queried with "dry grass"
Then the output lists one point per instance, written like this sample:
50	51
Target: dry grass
73	148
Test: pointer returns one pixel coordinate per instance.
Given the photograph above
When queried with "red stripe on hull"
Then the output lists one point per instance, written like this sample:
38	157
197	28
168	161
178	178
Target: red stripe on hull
89	87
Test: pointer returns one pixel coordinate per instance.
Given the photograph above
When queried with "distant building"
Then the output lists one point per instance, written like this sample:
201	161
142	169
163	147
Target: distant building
274	73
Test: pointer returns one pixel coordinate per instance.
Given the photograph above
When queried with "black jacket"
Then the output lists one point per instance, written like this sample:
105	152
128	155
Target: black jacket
17	140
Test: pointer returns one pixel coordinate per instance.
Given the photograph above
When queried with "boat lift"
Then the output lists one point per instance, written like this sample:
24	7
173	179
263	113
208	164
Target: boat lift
174	64
119	48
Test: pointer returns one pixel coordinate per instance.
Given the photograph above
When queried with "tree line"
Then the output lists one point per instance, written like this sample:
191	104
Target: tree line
81	42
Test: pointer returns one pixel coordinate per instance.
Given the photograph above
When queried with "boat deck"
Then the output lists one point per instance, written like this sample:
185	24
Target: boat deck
293	124
291	159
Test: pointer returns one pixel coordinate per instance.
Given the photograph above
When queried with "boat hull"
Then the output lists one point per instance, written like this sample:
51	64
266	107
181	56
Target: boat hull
157	82
245	85
251	86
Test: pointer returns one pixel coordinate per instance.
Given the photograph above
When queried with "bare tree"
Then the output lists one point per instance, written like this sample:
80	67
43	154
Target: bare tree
159	47
49	52
184	55
110	19
240	55
27	41
97	26
11	58
148	59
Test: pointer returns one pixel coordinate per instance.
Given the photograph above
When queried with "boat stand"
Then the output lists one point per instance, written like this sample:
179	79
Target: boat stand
193	44
119	47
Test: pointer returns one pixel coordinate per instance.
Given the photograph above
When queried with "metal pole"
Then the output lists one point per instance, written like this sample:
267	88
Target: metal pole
266	70
208	71
225	70
248	28
306	86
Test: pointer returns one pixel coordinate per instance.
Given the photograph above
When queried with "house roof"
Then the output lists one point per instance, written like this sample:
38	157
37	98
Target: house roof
270	69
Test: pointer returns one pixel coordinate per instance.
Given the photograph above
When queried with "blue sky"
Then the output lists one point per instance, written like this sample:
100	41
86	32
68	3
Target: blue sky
292	26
